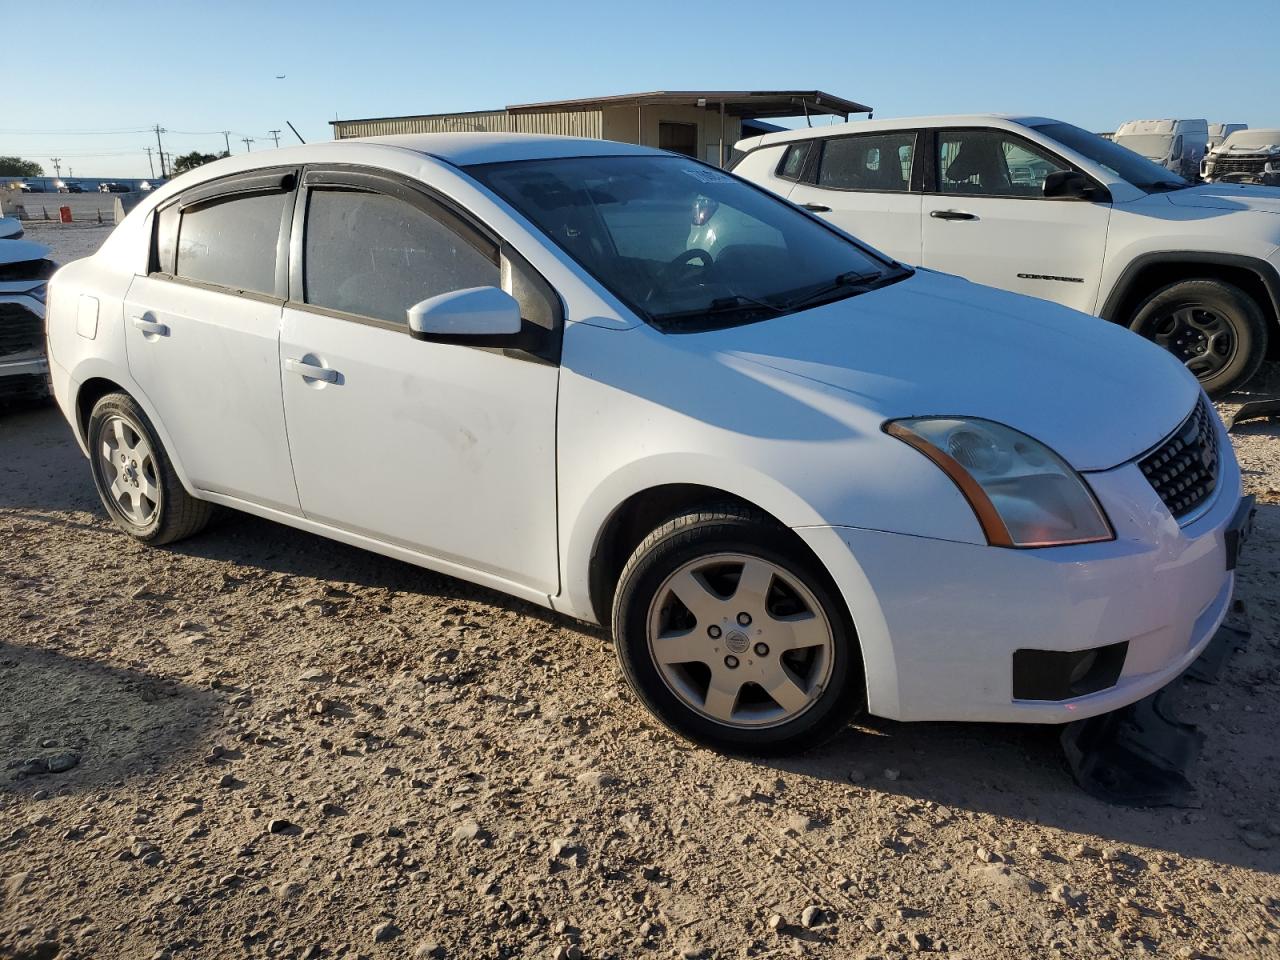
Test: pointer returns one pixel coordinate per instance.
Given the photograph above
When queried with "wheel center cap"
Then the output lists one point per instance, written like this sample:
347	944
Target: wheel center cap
737	641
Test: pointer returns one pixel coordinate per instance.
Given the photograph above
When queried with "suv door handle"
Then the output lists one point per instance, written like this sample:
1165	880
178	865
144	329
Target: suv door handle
150	327
816	207
952	215
310	371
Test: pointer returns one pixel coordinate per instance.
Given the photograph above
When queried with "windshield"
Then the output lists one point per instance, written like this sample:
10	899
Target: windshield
1117	158
1153	146
683	244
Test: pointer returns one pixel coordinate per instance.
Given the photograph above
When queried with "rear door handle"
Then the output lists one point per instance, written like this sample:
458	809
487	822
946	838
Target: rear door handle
310	371
150	327
952	215
816	207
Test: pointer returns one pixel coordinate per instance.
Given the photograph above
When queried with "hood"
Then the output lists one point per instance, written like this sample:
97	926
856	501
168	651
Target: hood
1228	196
20	251
936	344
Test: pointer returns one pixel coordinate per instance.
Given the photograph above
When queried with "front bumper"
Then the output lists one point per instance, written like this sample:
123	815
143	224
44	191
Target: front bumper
939	621
24	368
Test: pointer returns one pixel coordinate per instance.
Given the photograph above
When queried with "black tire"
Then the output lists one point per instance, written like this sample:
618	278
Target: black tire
177	514
733	529
1216	302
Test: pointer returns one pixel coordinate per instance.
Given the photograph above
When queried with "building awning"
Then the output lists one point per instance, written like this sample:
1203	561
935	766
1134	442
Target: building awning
738	103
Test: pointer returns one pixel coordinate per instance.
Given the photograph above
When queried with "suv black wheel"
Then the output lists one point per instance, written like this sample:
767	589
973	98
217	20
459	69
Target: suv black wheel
134	477
734	636
1216	329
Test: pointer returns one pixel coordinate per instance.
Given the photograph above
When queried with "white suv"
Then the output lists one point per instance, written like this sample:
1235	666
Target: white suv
1041	207
639	390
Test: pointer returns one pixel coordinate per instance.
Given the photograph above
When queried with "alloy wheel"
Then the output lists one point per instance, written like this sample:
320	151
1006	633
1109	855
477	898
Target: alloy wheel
129	468
740	640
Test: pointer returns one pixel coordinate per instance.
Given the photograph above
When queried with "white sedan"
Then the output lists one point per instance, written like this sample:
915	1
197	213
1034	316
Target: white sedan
797	478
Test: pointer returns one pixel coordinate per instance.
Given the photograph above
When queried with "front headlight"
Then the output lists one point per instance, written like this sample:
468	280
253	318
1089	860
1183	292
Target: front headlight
1023	494
40	292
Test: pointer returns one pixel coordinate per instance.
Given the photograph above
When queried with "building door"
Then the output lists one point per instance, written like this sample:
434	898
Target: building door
678	138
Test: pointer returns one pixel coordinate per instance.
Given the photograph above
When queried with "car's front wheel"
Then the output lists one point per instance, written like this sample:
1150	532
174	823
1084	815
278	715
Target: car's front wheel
134	477
1216	329
734	636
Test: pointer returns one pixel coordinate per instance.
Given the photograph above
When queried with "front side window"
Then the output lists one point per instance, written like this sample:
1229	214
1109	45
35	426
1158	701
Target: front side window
867	162
989	163
683	244
232	241
376	256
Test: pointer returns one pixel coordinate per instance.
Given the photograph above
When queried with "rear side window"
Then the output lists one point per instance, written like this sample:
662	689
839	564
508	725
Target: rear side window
791	166
376	256
879	162
232	242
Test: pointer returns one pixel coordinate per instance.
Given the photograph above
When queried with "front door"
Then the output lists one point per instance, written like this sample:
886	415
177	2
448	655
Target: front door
202	335
863	184
445	449
986	218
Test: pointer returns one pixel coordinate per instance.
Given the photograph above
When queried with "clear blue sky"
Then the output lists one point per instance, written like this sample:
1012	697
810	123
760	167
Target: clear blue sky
208	67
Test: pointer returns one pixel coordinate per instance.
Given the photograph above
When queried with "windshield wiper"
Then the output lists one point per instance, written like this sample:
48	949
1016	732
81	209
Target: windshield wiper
721	305
1163	185
851	280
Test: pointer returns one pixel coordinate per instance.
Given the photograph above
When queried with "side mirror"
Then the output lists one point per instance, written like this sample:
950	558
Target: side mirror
463	314
1073	185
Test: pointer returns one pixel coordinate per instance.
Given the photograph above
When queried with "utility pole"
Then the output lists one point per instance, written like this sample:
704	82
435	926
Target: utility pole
226	138
246	141
150	166
160	149
57	167
275	135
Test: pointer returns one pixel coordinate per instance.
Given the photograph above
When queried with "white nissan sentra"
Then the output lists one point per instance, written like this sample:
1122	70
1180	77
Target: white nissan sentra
798	479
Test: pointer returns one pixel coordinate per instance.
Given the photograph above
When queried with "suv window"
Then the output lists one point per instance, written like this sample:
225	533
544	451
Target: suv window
232	242
989	163
791	167
376	256
868	162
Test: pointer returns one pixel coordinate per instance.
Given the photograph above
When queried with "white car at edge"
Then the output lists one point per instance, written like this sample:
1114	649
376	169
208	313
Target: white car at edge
797	478
1041	207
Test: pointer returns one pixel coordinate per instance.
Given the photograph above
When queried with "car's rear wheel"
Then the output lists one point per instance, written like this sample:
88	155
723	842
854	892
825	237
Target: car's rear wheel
1214	328
734	636
135	478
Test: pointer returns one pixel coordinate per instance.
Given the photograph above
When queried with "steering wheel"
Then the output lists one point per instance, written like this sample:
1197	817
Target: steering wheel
677	267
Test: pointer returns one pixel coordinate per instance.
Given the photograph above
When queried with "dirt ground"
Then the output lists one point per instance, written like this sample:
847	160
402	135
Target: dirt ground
281	746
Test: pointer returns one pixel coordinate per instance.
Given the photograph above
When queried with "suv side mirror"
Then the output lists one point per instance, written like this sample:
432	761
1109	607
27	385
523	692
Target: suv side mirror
465	316
1073	185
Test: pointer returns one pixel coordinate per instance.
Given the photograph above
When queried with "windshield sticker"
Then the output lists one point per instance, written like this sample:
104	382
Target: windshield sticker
707	175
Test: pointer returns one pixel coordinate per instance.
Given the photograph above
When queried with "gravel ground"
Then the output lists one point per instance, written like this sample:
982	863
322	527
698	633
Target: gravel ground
277	745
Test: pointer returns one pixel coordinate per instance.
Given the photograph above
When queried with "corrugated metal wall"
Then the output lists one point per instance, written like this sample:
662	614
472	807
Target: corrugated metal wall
576	123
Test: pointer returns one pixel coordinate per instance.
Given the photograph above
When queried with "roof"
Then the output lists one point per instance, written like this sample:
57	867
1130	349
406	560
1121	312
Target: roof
741	103
894	123
749	103
463	149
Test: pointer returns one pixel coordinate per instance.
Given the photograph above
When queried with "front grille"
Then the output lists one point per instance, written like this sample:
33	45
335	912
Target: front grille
1184	469
1225	165
21	331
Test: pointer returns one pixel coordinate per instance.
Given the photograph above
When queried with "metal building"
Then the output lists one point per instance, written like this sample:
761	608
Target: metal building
703	124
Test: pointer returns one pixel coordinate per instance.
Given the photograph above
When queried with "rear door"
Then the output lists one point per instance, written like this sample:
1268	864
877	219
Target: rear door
986	218
865	184
202	331
446	449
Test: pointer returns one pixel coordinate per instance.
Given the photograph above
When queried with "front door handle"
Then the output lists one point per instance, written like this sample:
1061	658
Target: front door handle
310	371
150	327
952	215
816	207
